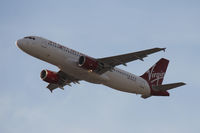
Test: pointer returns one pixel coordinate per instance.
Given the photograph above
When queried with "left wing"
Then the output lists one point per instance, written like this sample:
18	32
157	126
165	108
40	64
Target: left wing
64	79
111	62
125	58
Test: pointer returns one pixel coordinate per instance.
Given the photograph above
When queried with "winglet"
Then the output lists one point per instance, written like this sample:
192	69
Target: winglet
163	49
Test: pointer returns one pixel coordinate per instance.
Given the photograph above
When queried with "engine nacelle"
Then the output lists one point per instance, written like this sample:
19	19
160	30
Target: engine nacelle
88	63
49	76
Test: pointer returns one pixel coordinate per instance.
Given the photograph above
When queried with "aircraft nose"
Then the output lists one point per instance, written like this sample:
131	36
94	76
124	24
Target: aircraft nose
19	43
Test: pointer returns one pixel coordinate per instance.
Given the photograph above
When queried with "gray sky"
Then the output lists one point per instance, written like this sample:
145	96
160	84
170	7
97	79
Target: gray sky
100	28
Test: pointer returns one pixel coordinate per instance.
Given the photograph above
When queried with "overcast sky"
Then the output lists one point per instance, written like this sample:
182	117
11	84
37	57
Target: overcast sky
99	29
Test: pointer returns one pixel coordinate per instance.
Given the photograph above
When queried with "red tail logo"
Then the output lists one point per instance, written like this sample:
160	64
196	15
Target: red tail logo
155	75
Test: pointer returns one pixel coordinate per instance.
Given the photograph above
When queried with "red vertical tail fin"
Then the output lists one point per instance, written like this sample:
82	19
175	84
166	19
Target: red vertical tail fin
155	75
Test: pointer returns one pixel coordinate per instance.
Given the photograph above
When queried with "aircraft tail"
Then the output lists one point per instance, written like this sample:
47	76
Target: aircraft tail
155	75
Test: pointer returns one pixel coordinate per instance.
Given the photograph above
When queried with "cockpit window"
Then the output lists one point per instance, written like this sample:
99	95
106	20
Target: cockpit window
29	37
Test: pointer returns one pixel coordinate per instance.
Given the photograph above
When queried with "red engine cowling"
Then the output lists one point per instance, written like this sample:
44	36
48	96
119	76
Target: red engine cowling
49	76
88	63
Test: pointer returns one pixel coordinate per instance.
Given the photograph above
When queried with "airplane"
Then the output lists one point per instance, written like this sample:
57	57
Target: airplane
75	66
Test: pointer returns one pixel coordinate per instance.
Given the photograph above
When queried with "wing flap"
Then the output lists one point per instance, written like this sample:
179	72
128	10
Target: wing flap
51	87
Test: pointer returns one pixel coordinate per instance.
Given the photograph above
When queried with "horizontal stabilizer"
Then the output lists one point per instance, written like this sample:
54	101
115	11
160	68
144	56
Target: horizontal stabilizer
166	87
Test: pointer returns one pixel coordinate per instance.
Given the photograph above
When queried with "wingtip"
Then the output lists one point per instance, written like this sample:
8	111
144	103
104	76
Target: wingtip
163	49
182	83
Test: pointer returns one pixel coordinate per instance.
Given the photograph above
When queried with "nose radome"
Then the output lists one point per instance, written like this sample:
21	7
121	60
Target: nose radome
19	43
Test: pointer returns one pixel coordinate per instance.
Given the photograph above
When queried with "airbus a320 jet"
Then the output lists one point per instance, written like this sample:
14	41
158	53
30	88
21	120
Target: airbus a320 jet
75	66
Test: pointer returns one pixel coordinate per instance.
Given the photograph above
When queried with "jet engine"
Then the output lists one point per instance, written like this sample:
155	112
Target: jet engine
88	63
49	76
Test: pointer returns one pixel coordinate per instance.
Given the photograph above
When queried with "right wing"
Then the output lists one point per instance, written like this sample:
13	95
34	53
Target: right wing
65	79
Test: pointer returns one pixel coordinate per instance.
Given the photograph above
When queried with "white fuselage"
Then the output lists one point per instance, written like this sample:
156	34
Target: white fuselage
67	60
